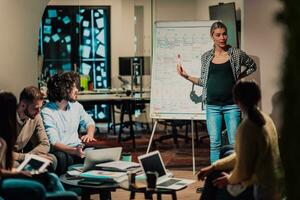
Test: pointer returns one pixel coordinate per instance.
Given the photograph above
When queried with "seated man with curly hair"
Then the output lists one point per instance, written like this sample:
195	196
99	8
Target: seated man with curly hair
62	117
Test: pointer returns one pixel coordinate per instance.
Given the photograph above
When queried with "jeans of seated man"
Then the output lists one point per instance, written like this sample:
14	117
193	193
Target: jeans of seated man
53	165
210	192
64	160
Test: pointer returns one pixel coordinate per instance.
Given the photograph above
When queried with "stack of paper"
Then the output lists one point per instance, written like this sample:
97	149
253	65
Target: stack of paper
118	165
105	176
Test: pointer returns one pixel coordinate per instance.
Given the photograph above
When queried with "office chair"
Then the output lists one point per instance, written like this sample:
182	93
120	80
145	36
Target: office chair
129	109
174	135
17	188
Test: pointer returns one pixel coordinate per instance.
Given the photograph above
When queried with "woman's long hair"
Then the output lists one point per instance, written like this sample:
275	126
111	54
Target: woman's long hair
8	124
248	94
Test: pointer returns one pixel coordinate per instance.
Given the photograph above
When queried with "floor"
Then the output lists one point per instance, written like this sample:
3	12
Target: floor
178	156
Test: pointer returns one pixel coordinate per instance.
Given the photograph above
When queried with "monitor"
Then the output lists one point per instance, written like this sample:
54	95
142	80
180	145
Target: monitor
125	65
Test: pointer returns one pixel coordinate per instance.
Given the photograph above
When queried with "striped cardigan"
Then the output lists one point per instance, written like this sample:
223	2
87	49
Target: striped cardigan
238	58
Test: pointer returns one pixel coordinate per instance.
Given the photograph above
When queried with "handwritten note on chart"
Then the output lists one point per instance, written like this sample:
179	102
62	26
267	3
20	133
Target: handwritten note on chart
173	97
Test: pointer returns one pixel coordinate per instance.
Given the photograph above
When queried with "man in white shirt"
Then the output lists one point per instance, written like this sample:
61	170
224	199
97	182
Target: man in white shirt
62	116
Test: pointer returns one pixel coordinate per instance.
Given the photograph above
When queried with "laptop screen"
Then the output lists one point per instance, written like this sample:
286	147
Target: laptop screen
97	156
153	163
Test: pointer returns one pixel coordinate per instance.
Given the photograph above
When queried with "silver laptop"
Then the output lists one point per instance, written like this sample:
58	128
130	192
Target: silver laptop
97	156
153	162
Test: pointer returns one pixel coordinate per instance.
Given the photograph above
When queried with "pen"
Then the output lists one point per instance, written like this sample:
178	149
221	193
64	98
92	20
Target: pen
80	146
178	60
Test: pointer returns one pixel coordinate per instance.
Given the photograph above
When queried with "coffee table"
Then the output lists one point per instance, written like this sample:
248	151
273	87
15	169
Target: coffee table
104	189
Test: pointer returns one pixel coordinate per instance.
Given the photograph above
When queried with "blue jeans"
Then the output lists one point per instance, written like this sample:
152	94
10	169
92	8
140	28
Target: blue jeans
214	117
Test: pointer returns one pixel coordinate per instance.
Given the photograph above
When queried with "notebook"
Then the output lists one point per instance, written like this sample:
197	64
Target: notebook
97	156
153	162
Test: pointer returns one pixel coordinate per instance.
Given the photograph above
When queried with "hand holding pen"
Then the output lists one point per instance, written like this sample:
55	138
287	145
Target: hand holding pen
79	151
180	69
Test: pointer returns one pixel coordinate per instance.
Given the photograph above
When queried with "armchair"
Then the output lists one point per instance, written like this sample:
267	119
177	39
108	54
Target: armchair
16	188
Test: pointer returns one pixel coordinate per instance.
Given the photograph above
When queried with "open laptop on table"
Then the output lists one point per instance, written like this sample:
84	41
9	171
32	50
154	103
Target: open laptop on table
97	156
153	162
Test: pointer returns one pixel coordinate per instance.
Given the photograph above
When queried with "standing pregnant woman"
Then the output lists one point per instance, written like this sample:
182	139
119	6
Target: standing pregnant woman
221	68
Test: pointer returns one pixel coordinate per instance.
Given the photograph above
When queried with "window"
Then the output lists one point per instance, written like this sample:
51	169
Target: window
78	38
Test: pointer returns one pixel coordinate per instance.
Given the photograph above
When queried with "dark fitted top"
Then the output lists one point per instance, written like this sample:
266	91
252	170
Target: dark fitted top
219	84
